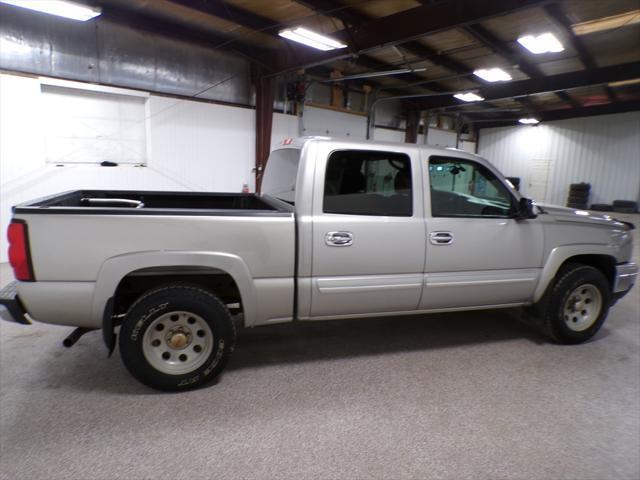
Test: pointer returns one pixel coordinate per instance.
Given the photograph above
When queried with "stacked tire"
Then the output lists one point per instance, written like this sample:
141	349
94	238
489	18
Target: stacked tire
625	206
579	195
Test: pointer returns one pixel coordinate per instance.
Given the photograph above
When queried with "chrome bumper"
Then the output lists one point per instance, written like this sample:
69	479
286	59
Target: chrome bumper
626	274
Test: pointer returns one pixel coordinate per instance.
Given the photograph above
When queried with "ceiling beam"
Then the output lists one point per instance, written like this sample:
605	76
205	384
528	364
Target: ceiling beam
352	18
402	27
564	114
253	21
487	38
560	18
551	83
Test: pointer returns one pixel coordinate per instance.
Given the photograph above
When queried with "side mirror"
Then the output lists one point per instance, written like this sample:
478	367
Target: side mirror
525	209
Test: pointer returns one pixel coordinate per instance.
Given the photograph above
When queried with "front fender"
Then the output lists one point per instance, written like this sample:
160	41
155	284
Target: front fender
114	269
558	256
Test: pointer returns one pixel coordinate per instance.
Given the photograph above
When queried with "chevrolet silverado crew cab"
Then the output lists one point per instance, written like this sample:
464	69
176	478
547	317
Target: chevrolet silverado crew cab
341	230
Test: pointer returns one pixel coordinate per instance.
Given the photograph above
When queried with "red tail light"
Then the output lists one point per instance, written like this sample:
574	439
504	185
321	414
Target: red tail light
19	256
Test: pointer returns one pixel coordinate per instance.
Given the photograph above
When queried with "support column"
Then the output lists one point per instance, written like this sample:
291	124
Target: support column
411	130
264	122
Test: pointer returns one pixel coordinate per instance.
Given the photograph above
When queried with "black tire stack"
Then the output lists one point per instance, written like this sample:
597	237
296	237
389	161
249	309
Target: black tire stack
579	195
625	206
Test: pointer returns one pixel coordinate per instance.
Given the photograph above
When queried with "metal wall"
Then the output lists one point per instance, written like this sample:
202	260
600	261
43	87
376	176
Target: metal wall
113	54
603	151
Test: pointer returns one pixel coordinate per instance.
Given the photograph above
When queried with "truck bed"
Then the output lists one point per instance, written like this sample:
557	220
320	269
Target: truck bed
127	202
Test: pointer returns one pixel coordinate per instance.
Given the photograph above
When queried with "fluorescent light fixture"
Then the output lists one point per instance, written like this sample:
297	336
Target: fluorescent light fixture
492	74
624	83
61	8
468	97
529	121
545	43
607	23
375	74
311	39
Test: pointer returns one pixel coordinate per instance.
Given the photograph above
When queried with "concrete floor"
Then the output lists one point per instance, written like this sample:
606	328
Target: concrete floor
458	396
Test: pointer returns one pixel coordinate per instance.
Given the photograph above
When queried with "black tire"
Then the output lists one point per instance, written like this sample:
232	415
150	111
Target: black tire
601	207
550	310
578	199
580	187
161	302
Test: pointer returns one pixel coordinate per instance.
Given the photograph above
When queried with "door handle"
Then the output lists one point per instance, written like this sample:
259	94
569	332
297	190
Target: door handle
338	239
441	238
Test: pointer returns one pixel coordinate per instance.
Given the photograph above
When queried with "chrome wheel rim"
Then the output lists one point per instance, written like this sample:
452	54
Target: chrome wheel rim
582	307
177	343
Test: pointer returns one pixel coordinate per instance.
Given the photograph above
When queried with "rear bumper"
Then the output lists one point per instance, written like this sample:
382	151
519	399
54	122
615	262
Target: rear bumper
9	299
626	274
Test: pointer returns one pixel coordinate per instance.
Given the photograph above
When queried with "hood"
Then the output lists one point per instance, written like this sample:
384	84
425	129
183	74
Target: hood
563	214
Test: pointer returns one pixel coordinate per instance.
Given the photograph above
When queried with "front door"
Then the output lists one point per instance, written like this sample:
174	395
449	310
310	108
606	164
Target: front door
368	233
477	252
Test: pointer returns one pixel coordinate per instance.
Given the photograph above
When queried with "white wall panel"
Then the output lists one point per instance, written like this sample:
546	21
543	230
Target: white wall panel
202	146
388	135
284	126
330	123
602	150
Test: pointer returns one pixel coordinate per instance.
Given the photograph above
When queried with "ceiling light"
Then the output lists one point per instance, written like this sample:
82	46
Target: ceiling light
492	74
624	83
607	23
311	39
468	97
529	121
375	74
545	43
61	8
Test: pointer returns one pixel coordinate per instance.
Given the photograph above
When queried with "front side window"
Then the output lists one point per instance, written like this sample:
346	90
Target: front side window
463	188
368	183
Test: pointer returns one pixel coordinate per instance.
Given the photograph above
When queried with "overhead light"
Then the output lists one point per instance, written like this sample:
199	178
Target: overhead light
545	43
61	8
529	121
492	74
375	74
311	39
468	97
607	23
624	83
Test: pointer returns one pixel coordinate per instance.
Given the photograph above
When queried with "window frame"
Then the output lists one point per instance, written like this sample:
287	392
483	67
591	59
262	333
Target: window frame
412	186
513	201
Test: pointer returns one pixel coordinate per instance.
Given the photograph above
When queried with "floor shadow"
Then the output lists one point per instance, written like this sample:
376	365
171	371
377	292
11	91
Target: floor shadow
85	366
311	341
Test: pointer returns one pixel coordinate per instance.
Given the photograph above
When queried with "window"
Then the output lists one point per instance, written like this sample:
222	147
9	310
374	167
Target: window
85	126
368	183
281	174
461	188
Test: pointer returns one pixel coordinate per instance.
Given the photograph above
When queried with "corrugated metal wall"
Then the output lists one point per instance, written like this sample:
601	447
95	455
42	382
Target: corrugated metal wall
602	150
114	54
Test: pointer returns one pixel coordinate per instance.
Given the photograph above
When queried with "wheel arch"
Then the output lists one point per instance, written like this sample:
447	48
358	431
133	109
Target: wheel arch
597	256
163	266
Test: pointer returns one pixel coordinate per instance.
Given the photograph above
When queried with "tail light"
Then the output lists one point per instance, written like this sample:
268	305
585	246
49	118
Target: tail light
19	255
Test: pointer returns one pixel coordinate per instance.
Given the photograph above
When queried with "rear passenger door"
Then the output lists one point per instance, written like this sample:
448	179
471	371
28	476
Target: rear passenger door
368	233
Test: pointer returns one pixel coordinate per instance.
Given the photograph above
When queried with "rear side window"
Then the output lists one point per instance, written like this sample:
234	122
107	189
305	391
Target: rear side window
361	182
281	174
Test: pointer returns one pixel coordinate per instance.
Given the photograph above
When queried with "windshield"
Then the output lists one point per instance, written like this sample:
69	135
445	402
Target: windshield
281	174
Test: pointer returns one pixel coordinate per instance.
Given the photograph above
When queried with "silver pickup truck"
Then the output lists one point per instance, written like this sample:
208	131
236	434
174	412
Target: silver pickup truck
341	230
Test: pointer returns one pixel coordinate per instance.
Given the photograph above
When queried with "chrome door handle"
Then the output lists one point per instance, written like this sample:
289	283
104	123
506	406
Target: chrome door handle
338	239
441	238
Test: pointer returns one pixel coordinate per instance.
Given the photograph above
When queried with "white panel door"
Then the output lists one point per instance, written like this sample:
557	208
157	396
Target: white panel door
538	187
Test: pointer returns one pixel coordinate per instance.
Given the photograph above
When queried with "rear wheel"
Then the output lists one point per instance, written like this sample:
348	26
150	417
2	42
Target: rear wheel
576	306
176	337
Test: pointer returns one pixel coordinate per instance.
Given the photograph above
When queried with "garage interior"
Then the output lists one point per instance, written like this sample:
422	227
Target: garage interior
192	95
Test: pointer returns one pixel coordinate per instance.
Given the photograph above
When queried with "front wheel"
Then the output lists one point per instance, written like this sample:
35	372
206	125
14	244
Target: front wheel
176	337
577	305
